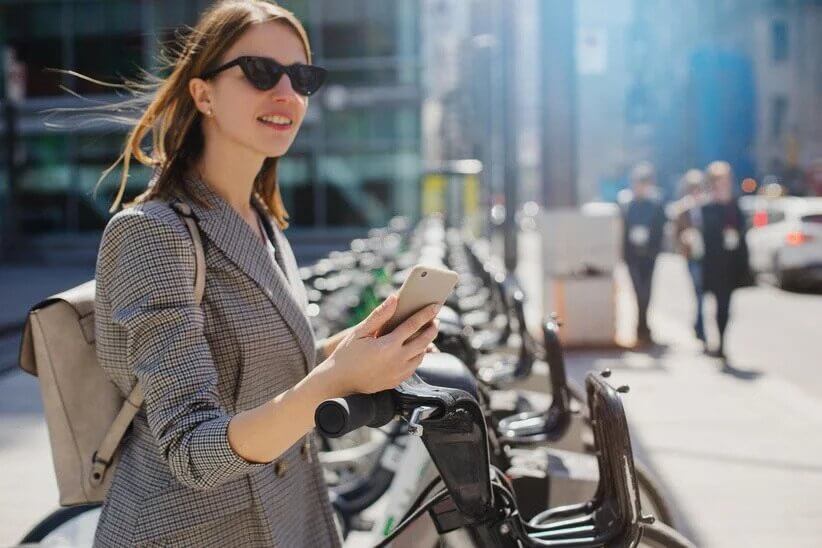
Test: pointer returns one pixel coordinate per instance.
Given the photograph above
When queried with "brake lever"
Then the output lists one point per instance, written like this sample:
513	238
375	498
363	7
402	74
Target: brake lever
419	414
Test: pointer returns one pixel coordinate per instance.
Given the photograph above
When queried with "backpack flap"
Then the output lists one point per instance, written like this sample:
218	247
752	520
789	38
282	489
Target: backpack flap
81	299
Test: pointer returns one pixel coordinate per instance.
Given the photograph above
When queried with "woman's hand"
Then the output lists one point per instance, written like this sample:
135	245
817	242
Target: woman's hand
363	363
330	344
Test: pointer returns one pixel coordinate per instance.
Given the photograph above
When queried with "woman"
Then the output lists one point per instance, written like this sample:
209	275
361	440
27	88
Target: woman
688	233
221	452
725	262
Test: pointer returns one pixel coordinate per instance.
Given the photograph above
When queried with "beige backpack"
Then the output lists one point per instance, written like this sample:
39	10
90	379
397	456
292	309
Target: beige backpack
86	414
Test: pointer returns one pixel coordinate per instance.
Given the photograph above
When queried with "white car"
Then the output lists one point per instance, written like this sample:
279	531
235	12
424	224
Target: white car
785	239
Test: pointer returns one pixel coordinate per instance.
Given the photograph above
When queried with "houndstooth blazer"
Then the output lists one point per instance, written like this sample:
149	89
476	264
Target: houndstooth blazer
178	482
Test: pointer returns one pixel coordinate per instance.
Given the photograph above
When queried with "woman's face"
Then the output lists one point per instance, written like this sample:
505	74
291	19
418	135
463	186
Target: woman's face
239	108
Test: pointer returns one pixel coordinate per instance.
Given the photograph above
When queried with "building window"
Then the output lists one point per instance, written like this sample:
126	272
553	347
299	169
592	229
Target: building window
297	189
779	41
779	113
357	28
368	188
375	126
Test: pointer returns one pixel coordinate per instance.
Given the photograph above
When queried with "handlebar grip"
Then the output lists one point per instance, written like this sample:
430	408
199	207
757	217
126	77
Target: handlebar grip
339	416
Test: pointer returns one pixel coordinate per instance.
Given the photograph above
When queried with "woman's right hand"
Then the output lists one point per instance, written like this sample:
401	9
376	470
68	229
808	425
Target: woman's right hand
363	363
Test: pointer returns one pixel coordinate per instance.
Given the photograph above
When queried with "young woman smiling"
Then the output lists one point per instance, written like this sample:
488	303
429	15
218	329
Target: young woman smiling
221	453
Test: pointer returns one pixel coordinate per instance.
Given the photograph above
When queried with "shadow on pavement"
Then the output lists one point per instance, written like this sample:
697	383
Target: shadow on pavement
738	373
647	358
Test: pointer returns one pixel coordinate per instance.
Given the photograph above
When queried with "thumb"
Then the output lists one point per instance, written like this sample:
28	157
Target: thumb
378	316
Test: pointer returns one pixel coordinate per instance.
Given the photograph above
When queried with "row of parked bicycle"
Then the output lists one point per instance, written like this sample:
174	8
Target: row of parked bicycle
461	454
458	455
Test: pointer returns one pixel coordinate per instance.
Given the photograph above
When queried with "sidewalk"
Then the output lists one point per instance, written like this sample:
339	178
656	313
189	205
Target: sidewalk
739	452
28	488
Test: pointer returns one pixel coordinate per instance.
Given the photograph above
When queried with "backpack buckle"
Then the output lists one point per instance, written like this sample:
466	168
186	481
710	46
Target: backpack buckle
98	469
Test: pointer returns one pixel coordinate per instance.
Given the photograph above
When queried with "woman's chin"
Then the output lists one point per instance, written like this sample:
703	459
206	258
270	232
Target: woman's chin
270	151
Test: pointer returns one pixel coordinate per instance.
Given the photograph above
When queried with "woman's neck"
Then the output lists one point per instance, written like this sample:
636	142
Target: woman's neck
230	170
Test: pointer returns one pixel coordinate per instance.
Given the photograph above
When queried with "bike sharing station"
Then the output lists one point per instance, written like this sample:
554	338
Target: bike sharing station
489	443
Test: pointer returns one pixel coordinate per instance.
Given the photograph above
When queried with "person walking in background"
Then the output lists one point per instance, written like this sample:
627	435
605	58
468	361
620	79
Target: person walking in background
813	178
643	222
725	264
687	215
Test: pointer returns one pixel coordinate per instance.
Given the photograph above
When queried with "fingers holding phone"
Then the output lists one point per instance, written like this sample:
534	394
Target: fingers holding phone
418	344
407	330
405	326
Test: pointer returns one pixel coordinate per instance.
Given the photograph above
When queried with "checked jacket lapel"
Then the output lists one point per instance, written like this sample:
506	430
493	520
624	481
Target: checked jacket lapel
228	231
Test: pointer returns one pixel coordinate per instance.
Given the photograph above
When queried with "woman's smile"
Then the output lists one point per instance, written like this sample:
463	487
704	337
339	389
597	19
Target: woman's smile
277	122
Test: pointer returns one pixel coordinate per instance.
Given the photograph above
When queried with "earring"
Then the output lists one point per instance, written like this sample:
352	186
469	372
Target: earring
210	113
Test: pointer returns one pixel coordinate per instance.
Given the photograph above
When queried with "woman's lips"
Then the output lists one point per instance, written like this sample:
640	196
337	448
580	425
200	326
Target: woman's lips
277	127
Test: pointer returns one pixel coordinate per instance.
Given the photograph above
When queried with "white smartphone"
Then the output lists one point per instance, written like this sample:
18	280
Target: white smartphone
425	285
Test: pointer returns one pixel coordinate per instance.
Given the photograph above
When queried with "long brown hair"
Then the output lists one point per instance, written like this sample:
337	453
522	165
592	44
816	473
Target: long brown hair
173	120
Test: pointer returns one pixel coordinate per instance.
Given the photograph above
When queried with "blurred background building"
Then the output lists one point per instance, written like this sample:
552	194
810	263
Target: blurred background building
355	163
556	99
678	83
686	83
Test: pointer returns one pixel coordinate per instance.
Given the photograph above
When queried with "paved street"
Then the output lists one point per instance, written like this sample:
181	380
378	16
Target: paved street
738	450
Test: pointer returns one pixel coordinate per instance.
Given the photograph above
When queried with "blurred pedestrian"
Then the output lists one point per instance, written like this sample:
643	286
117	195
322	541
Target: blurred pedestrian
688	235
813	178
643	222
725	264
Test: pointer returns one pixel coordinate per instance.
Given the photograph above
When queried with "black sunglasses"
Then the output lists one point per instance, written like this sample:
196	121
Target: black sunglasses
264	73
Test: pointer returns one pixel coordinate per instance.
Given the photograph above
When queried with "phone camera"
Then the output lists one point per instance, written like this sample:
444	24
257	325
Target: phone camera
424	274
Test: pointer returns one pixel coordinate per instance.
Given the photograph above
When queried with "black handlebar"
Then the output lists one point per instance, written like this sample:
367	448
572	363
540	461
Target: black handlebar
337	417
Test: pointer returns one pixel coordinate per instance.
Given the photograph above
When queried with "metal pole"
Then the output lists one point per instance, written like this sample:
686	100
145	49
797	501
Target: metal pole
318	145
10	231
509	103
558	97
11	111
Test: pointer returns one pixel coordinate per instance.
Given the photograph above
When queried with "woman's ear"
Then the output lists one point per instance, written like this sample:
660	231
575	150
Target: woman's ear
200	94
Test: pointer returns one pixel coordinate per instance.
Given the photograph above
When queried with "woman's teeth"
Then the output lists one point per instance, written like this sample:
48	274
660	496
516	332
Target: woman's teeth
278	120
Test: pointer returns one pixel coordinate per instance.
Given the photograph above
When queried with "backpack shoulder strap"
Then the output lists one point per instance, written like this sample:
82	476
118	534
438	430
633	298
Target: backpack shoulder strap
103	456
184	210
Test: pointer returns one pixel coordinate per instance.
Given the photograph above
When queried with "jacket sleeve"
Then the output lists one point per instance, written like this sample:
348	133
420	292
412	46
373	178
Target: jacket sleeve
624	211
681	223
146	271
746	275
658	229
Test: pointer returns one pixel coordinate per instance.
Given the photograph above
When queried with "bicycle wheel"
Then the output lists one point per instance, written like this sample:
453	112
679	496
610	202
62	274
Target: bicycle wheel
650	494
62	518
659	535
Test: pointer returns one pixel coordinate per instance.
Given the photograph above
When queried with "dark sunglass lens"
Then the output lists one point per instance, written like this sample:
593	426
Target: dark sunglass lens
261	72
307	79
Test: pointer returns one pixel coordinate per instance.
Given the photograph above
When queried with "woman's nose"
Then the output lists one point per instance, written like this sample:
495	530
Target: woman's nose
283	91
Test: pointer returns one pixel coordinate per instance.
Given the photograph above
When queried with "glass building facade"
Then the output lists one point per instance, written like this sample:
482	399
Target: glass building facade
354	164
